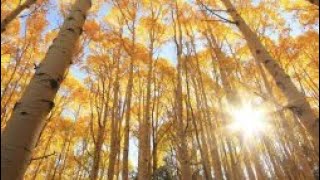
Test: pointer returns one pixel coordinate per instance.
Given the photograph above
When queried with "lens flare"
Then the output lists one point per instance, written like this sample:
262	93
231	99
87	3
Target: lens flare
248	121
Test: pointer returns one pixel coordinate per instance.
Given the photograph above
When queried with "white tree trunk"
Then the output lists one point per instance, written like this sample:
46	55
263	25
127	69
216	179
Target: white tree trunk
145	127
297	103
10	17
19	138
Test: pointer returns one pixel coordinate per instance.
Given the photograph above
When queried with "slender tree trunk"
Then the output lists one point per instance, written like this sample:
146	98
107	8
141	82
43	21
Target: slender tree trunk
125	158
114	131
276	166
203	147
10	17
115	125
303	160
182	146
297	103
97	154
12	75
155	125
29	114
248	164
50	167
56	165
215	156
203	152
64	160
36	173
4	104
232	96
155	157
102	121
144	144
229	169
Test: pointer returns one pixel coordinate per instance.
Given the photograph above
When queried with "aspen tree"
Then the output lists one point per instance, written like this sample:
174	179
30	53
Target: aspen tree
102	120
12	15
203	147
203	116
37	101
114	132
129	91
114	125
232	97
204	153
125	170
155	125
297	102
306	168
182	146
144	142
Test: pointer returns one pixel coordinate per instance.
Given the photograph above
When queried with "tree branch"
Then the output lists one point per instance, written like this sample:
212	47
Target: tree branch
213	12
43	157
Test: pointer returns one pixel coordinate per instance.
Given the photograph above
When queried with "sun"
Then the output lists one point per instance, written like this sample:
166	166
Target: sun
248	121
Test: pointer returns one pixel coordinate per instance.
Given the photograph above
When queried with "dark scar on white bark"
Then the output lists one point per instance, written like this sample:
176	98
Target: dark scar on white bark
81	31
70	18
39	73
71	29
59	79
296	109
280	85
23	113
50	103
54	84
267	61
258	51
27	149
16	105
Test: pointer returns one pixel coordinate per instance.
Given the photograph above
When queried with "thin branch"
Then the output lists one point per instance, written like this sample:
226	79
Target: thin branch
213	12
43	157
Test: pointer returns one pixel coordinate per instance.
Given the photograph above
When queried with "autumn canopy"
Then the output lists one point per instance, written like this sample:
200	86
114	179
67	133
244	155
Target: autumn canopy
159	89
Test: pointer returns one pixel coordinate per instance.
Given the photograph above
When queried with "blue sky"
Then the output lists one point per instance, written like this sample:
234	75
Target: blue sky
168	50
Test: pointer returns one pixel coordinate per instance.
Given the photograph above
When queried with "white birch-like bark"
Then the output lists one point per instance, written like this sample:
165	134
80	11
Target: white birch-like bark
22	131
297	102
182	145
144	141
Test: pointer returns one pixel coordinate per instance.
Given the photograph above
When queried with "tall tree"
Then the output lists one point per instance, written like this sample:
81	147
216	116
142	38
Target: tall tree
36	103
182	146
297	102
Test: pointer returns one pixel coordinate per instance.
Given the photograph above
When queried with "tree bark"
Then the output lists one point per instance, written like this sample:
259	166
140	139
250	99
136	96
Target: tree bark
203	147
20	135
10	17
297	102
114	130
182	146
101	132
125	158
144	144
97	154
